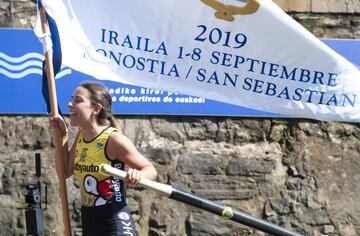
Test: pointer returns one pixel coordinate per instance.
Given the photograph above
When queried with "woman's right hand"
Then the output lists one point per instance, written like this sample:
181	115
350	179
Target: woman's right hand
58	122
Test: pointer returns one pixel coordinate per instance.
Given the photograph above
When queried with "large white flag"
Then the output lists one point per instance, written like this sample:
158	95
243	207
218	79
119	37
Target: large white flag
249	53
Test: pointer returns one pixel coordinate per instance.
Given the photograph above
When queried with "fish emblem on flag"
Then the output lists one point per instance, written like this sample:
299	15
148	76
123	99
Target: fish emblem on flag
226	11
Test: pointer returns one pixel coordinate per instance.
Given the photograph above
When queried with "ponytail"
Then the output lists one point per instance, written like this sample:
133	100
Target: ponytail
115	124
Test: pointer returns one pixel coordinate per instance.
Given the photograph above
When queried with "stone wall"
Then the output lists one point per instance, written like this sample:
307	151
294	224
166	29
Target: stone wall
320	6
300	174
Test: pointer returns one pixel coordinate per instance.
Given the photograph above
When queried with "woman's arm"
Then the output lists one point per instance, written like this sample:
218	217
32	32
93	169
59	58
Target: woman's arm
120	148
69	169
68	155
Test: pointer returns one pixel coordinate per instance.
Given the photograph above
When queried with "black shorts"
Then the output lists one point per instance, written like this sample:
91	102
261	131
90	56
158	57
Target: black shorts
107	220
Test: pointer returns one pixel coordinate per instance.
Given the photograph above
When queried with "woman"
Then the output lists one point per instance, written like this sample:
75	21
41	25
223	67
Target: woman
99	140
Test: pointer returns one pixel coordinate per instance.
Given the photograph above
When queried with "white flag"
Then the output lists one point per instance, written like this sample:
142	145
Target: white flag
247	53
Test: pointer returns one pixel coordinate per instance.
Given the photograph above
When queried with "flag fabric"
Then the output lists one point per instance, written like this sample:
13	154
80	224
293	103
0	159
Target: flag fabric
50	42
248	53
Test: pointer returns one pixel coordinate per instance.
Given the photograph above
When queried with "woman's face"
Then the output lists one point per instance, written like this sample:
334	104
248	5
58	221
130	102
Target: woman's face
80	107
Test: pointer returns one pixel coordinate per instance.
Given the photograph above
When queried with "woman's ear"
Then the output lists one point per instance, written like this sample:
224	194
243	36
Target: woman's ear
97	109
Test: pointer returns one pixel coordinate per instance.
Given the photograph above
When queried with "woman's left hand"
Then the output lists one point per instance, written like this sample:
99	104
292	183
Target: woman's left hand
133	176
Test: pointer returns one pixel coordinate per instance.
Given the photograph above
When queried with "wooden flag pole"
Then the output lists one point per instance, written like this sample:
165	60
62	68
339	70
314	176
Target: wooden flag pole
205	204
59	145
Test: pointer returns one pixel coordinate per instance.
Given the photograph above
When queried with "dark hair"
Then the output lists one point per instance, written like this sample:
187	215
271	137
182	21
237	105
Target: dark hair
99	95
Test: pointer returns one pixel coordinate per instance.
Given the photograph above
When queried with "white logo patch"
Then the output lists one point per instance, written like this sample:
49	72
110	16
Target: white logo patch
123	216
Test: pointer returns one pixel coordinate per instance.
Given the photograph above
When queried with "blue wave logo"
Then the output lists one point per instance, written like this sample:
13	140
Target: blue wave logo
30	63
